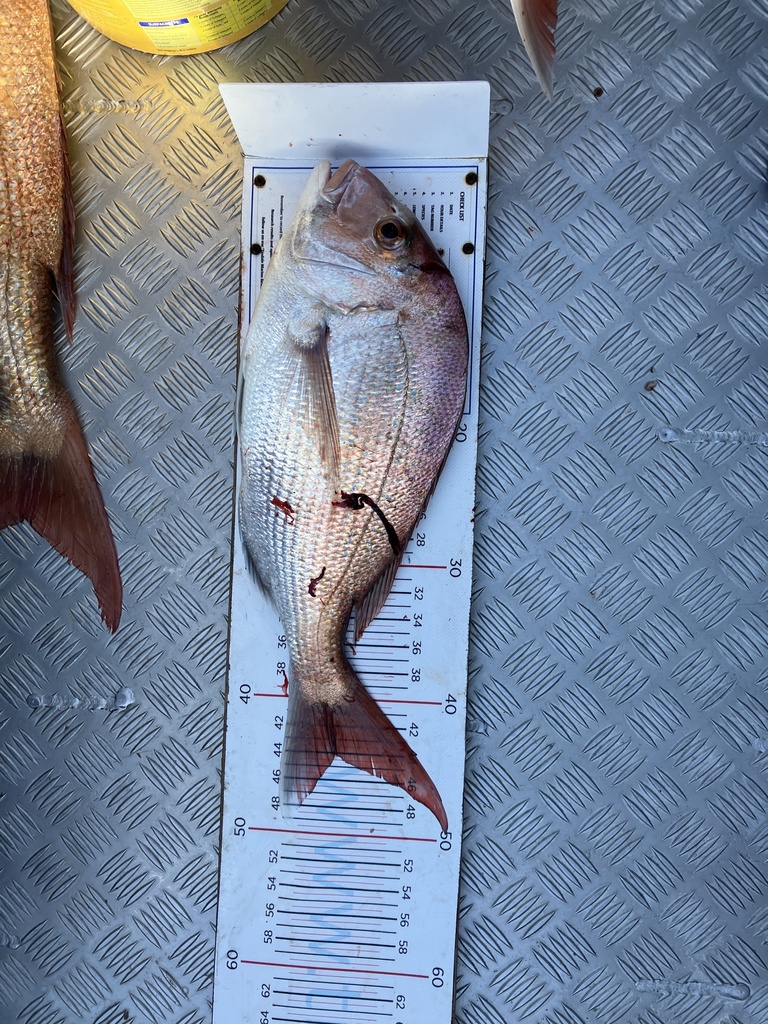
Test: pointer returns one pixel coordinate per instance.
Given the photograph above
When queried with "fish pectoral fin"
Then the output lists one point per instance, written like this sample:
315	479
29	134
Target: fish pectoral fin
536	20
311	340
359	733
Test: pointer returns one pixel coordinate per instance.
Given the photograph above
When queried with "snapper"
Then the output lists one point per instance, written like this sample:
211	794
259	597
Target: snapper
46	475
352	381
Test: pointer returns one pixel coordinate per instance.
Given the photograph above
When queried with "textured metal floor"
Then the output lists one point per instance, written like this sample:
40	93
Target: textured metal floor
616	804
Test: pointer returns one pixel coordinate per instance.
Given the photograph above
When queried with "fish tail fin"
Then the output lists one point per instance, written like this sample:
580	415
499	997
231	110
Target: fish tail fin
358	732
536	21
59	496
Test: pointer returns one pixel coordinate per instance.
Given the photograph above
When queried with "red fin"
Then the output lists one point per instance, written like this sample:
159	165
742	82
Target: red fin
359	733
60	497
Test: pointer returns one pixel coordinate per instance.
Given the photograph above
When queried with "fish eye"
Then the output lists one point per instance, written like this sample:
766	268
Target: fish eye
391	234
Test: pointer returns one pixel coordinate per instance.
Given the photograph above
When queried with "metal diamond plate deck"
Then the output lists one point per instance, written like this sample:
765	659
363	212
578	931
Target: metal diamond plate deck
615	864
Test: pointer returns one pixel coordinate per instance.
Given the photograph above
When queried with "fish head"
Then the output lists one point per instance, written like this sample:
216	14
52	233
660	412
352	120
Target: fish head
356	245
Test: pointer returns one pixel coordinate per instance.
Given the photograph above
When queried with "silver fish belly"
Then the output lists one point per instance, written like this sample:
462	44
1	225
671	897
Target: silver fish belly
353	376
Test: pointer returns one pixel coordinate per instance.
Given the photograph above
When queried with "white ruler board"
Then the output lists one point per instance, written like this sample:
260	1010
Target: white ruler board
346	911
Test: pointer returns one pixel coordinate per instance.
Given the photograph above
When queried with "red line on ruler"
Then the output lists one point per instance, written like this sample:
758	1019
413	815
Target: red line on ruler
345	970
382	700
409	566
432	703
341	835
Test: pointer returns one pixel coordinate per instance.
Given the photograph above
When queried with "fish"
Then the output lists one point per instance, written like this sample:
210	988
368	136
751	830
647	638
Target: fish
536	21
46	476
351	385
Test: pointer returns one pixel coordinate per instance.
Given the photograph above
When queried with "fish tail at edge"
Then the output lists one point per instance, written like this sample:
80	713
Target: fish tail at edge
360	734
536	22
60	497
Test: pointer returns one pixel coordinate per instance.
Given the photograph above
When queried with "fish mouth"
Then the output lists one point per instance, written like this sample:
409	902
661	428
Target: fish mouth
332	189
334	186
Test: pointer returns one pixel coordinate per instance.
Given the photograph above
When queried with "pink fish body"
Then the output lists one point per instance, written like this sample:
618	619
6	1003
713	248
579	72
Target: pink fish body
352	382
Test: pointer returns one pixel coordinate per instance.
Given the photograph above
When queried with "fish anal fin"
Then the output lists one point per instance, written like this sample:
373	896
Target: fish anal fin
358	732
311	340
369	606
536	21
59	496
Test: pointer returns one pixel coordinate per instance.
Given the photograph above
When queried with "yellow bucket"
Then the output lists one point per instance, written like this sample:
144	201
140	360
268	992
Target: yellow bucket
176	26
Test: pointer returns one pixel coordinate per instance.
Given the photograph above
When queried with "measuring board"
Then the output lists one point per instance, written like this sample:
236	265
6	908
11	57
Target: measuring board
346	910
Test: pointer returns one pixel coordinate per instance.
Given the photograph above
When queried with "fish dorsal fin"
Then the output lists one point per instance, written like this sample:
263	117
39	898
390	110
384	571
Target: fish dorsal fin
536	20
369	606
311	339
65	272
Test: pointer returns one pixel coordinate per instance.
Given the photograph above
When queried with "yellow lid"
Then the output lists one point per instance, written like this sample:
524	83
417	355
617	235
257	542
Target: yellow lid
176	26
